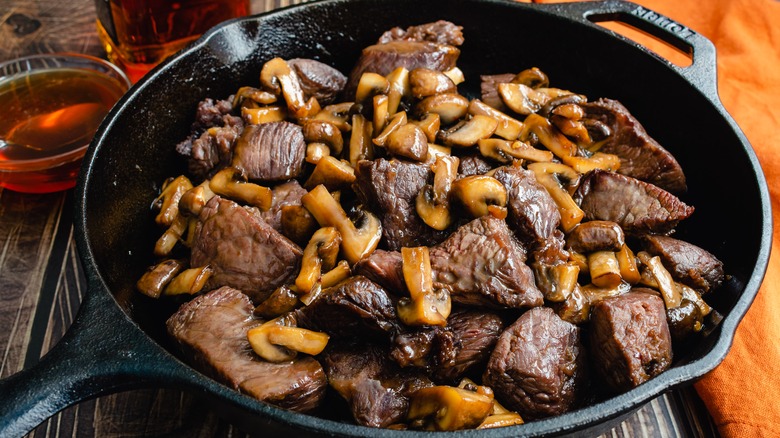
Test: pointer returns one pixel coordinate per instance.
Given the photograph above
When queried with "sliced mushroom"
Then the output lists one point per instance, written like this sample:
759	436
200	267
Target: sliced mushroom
277	77
371	84
449	106
670	291
560	98
571	213
265	114
336	114
171	236
450	408
332	173
381	112
396	121
424	306
281	301
193	200
553	140
168	201
315	152
688	293
456	75
628	268
357	242
432	203
320	131
435	151
468	133
430	124
571	128
408	141
481	195
604	269
229	182
522	99
501	420
504	151
156	277
252	94
190	281
360	145
399	88
426	82
329	279
508	128
599	160
532	77
318	256
278	340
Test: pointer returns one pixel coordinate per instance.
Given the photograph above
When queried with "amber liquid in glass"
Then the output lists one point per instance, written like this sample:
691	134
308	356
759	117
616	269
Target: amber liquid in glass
138	34
53	112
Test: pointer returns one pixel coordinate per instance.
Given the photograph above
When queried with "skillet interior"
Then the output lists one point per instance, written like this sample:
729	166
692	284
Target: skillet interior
134	150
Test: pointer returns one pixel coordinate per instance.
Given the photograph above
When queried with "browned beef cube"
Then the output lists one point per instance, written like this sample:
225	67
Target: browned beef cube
385	268
482	264
538	367
318	80
475	333
629	339
390	187
687	263
211	331
376	389
285	194
442	32
242	249
638	207
354	307
641	157
489	89
270	151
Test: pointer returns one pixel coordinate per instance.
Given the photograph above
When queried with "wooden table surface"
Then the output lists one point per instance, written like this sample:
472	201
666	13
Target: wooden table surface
41	282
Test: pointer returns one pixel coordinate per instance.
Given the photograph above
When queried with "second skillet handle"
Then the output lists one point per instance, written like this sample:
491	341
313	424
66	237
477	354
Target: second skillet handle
101	353
701	73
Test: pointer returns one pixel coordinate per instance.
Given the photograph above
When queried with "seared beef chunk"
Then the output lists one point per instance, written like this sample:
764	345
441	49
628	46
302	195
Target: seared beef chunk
489	89
384	58
538	366
630	338
385	268
318	80
211	331
441	32
687	263
638	207
641	157
424	347
390	188
210	150
482	264
476	333
596	236
242	249
473	165
449	353
270	151
532	213
289	193
376	389
354	307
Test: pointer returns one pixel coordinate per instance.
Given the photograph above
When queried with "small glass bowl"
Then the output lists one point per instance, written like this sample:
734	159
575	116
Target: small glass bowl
27	168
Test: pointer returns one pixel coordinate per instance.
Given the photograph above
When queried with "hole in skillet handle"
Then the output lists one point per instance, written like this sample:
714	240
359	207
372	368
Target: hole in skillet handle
678	46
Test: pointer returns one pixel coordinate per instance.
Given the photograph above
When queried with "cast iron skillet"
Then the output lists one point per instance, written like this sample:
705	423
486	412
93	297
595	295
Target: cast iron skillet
117	341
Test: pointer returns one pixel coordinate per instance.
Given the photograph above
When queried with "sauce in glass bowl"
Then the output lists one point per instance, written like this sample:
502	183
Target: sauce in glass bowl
52	105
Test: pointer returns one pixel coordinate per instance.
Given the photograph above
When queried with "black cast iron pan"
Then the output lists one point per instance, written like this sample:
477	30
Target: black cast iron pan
117	341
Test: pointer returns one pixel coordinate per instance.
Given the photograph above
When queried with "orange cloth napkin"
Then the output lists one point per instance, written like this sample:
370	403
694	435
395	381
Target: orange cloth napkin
742	393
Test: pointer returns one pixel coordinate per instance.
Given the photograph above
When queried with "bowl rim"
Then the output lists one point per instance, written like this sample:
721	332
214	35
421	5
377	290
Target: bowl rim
13	166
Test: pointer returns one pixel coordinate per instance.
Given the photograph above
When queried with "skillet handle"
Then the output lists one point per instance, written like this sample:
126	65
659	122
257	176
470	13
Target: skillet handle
101	353
701	73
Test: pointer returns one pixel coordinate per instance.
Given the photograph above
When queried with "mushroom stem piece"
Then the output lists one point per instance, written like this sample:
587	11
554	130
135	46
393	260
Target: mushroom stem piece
168	201
450	408
230	182
426	306
278	77
320	254
189	281
357	242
